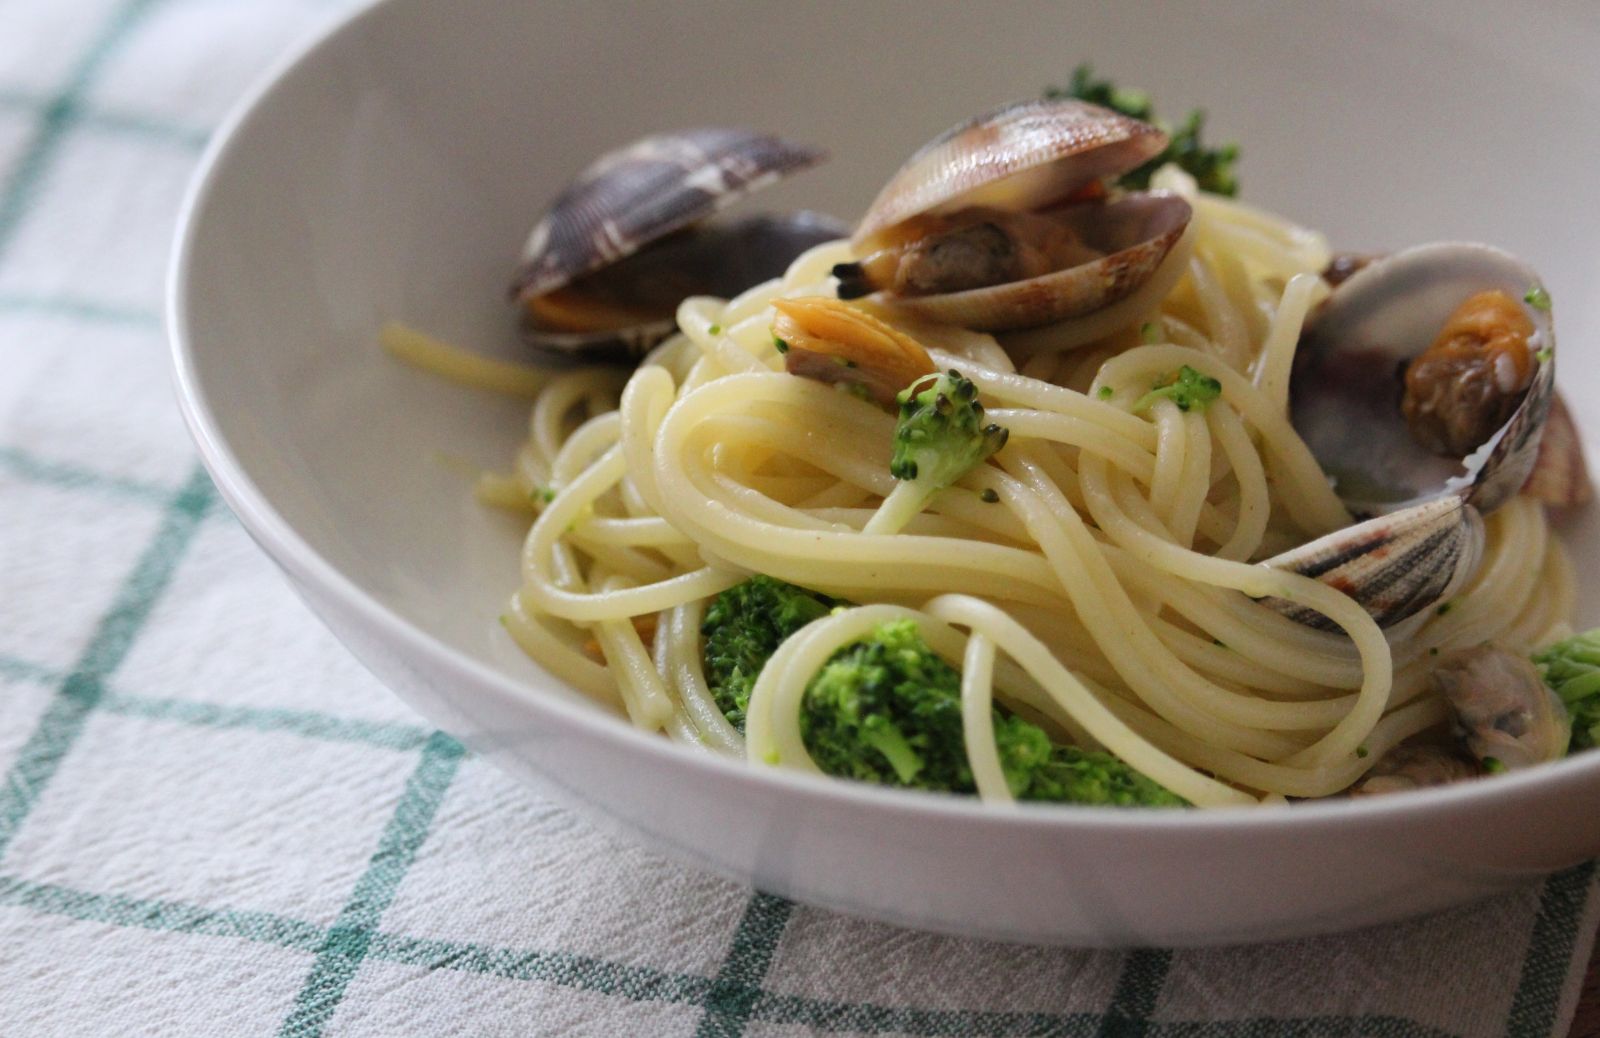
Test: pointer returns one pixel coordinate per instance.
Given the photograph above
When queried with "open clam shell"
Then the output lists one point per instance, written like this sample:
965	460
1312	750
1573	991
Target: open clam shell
1135	233
631	200
1395	565
1033	157
1347	382
1024	155
717	259
637	194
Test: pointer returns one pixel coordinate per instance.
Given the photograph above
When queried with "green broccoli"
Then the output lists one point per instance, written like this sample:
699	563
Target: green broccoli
1189	389
1572	668
1212	168
744	626
1079	776
939	437
887	709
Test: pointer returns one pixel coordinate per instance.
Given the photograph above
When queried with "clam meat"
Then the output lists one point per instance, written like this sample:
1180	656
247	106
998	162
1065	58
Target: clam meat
829	341
1417	766
1006	220
607	264
1504	713
1428	372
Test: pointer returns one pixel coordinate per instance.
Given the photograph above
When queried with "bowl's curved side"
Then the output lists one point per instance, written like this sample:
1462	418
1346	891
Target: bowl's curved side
1040	880
369	181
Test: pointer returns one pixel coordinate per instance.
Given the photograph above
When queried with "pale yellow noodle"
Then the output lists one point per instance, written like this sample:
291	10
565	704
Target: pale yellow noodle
1102	577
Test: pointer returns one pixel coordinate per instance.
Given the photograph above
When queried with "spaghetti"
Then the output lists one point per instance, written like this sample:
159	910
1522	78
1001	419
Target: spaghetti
1099	576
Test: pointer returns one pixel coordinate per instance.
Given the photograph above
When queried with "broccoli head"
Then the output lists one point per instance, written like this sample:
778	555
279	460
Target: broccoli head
1212	168
744	626
940	435
1189	389
1572	668
1074	776
887	709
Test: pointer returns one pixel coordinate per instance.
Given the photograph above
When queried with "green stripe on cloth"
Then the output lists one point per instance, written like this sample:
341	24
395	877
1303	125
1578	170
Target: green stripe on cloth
581	972
308	723
824	1016
83	687
738	983
311	725
1555	931
1144	974
57	117
157	131
169	916
348	942
66	476
80	310
14	669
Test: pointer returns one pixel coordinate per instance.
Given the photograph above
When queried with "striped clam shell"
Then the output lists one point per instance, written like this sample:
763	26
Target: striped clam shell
643	192
1395	565
1023	155
1346	387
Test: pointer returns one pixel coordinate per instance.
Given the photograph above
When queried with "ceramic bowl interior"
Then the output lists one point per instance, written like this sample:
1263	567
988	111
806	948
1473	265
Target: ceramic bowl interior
392	171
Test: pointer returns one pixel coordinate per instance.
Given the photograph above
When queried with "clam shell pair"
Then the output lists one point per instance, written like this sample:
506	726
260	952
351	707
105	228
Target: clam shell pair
638	214
1425	539
1034	156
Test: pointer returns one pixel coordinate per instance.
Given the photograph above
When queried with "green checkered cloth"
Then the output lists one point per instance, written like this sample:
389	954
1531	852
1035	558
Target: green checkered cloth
213	822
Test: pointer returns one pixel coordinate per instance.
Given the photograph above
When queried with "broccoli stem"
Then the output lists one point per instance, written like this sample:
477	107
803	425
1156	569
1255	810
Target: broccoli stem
880	734
904	503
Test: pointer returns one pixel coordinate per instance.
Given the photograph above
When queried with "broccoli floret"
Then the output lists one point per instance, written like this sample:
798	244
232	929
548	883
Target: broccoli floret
887	709
1572	668
1189	389
1135	104
940	434
1079	776
1212	168
939	437
743	627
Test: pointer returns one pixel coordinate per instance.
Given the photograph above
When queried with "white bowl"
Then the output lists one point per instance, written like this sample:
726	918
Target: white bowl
392	170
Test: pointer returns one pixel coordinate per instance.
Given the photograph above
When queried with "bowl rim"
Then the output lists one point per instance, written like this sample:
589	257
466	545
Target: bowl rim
293	553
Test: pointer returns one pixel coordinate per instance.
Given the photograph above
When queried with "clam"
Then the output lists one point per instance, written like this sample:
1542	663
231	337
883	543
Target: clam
1005	221
1419	766
1504	713
834	342
607	264
1422	387
1479	437
1394	565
